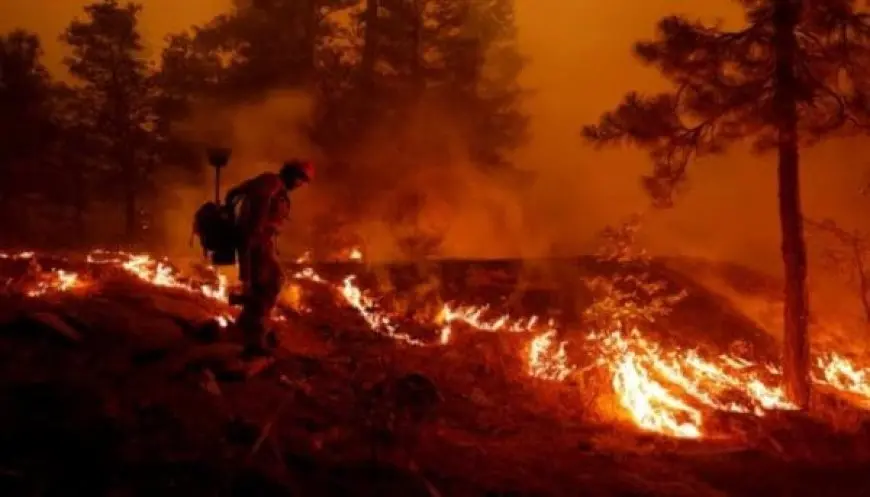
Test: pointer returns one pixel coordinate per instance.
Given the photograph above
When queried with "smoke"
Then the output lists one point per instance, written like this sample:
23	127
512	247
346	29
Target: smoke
580	65
401	183
262	135
409	185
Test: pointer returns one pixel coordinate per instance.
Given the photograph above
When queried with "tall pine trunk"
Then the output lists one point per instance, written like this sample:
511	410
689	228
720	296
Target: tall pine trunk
796	350
417	78
370	44
80	203
131	214
130	178
312	23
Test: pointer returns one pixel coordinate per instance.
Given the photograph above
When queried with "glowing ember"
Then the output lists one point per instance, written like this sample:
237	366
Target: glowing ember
55	281
309	274
17	256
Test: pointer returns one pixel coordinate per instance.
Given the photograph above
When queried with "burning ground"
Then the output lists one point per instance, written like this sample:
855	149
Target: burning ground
115	376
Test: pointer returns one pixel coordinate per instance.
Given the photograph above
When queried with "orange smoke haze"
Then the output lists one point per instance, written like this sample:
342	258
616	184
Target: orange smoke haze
581	64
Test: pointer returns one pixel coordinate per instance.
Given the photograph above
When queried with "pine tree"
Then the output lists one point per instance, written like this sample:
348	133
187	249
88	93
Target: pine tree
482	66
114	78
796	73
25	124
269	44
462	55
190	74
74	159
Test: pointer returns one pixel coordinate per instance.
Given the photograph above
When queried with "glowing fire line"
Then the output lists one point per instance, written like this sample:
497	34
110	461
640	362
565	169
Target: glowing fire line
661	390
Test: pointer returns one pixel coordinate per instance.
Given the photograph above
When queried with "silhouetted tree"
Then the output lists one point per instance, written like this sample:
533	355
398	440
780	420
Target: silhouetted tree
25	125
115	85
190	74
796	73
73	159
268	45
460	54
425	84
481	66
259	47
368	78
845	253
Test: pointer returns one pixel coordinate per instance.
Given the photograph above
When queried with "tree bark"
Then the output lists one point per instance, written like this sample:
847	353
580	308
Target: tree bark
370	48
796	347
131	214
312	25
130	178
80	201
417	77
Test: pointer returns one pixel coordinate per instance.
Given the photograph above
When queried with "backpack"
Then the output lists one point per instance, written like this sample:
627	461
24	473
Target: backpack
215	226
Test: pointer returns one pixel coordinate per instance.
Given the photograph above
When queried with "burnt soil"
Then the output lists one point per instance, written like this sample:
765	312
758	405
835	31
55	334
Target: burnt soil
127	395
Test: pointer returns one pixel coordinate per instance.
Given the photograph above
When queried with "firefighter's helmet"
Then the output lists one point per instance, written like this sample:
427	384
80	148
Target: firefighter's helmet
297	170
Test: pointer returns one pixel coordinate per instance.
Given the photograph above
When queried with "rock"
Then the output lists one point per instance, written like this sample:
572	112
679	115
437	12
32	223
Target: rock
214	356
239	370
242	432
480	399
417	391
140	329
47	321
209	331
154	333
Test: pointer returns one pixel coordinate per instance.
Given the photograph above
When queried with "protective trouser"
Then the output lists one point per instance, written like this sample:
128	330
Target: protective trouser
262	277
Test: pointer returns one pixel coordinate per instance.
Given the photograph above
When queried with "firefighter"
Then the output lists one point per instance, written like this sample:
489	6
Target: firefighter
265	205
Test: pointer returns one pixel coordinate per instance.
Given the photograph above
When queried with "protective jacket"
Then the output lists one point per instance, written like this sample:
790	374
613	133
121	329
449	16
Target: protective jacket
265	205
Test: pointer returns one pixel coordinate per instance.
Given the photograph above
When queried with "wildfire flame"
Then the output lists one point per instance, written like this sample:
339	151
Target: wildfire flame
18	255
666	390
548	359
55	281
838	372
161	273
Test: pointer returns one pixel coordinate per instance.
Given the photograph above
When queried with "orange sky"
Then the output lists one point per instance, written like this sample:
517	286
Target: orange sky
581	65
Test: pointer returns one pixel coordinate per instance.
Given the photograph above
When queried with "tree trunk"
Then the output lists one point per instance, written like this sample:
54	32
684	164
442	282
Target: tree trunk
796	353
370	48
417	78
131	216
80	204
312	24
131	194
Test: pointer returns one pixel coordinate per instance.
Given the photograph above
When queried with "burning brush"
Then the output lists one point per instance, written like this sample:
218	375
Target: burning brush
669	390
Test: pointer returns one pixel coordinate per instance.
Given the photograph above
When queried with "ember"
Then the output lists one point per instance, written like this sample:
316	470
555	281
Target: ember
55	281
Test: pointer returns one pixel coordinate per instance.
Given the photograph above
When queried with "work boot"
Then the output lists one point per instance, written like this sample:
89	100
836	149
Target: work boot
236	298
254	350
261	344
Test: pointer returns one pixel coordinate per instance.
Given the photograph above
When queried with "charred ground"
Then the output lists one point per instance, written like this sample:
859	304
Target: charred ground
118	391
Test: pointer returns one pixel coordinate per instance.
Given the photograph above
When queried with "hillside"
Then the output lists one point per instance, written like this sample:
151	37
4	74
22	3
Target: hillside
116	379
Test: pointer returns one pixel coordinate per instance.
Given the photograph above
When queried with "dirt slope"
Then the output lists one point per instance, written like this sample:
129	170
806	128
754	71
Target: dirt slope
125	398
